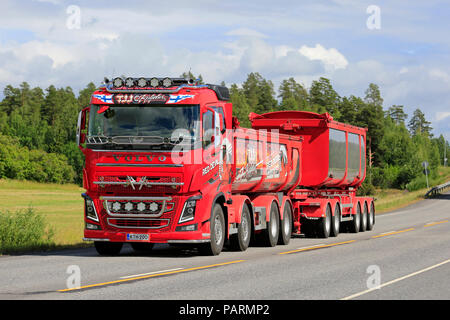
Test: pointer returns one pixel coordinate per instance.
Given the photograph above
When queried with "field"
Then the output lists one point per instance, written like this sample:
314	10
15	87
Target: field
62	205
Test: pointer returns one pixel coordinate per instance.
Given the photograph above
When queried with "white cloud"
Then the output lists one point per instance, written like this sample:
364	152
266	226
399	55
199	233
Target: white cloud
442	115
332	58
245	32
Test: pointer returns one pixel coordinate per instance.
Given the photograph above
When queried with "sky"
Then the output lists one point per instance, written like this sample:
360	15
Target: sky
402	46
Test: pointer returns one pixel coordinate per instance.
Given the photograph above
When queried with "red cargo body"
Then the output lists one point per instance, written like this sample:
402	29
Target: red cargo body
293	172
333	167
333	152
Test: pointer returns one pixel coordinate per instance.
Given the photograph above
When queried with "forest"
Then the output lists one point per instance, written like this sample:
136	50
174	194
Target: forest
38	129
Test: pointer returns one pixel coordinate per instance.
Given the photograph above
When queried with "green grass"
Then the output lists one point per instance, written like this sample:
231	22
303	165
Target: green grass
60	205
391	199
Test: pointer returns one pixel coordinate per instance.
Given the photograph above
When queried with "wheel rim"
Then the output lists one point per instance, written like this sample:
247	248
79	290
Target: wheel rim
371	215
328	221
337	215
287	222
245	228
273	224
357	218
217	230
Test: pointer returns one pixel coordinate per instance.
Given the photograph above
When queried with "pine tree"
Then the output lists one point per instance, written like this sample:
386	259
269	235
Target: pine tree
419	125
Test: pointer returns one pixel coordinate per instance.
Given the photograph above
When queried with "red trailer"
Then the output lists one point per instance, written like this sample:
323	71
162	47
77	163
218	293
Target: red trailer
167	163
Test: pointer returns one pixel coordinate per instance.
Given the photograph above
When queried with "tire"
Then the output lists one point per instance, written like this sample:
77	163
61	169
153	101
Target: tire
324	224
371	217
336	221
355	224
217	231
364	217
241	240
142	246
108	248
269	236
286	225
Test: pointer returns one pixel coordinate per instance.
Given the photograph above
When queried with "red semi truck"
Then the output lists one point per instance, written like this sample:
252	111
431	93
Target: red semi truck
166	162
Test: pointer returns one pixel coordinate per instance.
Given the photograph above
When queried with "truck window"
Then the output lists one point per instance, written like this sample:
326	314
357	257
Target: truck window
207	128
220	111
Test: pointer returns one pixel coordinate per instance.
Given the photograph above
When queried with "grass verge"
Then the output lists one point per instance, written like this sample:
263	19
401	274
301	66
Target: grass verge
392	199
60	206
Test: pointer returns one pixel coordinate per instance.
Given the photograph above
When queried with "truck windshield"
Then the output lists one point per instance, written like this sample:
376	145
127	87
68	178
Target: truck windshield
149	126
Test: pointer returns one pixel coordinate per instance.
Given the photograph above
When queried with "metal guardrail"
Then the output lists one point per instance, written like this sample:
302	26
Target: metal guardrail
438	189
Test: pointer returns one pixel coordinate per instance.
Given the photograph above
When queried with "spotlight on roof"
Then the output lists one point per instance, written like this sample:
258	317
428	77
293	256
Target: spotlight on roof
129	82
142	82
167	82
118	82
154	82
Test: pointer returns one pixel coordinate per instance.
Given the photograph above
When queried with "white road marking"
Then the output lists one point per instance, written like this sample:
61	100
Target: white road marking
396	280
148	273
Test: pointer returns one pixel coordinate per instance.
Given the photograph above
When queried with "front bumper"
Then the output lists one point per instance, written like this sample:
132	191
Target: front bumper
165	237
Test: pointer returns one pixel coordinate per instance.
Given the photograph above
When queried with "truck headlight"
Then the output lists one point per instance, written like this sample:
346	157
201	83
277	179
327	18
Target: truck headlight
188	210
91	212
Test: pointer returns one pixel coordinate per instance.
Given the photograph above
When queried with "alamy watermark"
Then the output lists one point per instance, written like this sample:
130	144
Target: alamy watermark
374	280
73	21
373	22
74	279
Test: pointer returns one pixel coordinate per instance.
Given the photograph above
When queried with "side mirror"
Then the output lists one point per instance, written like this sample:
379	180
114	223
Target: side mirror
81	127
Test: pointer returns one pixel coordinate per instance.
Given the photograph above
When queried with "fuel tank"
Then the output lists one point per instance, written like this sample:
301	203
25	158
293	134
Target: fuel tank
333	153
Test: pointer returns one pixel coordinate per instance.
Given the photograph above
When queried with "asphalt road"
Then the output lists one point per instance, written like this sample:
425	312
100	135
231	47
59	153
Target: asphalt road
406	256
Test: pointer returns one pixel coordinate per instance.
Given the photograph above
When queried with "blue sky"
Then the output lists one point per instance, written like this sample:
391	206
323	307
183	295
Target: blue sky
42	43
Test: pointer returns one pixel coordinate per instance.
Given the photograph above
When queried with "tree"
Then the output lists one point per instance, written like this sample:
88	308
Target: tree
397	114
322	94
241	108
259	93
84	97
418	124
371	116
293	95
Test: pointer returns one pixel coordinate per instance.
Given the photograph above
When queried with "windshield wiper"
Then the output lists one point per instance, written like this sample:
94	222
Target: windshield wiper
140	140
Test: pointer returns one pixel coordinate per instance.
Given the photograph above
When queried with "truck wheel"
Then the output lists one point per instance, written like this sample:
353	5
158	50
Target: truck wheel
364	217
108	248
286	225
371	217
217	231
324	224
336	221
241	240
142	246
356	222
269	236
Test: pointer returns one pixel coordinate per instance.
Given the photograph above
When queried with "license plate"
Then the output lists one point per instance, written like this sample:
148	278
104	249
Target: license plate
138	237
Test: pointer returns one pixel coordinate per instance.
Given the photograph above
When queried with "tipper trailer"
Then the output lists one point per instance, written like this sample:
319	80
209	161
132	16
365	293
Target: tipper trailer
166	162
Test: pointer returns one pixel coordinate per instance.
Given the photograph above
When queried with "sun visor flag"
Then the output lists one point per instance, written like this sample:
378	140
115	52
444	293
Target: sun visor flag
102	109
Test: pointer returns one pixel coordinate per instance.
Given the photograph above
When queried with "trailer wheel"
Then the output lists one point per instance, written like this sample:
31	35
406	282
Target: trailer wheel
269	236
364	217
241	240
108	248
217	230
371	217
336	221
286	225
324	224
356	222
